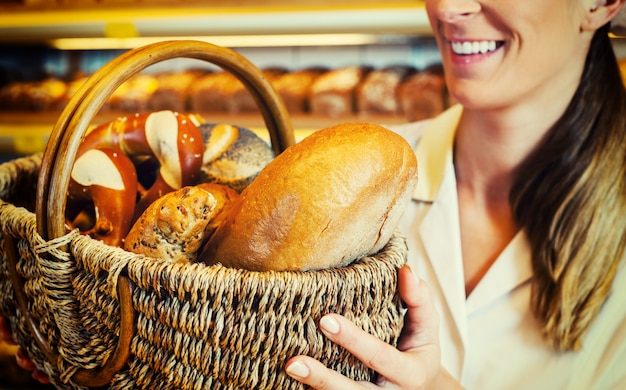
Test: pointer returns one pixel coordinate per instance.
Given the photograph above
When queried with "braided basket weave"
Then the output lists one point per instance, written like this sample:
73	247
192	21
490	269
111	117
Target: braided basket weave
92	315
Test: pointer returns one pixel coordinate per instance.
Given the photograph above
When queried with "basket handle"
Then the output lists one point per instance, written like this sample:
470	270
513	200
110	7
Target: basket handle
78	115
70	129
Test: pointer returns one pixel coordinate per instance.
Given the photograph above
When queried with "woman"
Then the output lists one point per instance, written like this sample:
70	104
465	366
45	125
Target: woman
517	224
516	230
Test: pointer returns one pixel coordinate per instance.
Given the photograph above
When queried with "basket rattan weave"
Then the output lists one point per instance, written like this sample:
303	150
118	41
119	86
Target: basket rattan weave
97	316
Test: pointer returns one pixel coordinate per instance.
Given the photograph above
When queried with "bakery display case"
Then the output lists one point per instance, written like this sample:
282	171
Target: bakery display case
330	61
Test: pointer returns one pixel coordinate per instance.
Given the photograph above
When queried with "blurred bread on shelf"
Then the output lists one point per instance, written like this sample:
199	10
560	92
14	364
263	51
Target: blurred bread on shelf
135	94
379	93
295	87
423	95
400	92
209	92
35	95
241	101
334	92
173	90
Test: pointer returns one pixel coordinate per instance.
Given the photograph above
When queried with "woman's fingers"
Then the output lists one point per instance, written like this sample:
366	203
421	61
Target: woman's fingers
40	376
418	350
313	373
22	359
5	331
378	355
421	322
21	356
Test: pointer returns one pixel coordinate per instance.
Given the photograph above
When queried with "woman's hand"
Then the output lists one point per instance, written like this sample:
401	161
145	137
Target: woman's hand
21	356
415	364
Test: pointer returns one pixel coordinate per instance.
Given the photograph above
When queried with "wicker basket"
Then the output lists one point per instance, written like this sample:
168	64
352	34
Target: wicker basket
97	316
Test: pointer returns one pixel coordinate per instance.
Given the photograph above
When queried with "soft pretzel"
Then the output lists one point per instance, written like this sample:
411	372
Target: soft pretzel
110	188
170	139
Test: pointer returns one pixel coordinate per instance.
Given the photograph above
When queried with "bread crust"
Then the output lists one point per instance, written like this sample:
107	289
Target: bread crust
175	225
332	198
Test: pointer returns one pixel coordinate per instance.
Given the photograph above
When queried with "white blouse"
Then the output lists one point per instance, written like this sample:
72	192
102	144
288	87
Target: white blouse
490	340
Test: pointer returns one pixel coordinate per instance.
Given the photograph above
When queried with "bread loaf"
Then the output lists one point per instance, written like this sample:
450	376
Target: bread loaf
332	198
175	225
233	155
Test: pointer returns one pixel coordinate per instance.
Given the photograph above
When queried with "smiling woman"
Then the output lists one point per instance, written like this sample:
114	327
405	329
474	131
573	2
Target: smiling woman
516	225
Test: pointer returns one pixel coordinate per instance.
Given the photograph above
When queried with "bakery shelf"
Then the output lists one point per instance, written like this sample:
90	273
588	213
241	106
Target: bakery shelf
28	132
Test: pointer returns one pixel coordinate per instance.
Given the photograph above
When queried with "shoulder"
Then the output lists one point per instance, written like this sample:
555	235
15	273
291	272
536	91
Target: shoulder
412	132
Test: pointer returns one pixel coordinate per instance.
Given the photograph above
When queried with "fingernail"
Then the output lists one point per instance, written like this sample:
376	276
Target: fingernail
40	376
329	324
21	353
298	369
23	360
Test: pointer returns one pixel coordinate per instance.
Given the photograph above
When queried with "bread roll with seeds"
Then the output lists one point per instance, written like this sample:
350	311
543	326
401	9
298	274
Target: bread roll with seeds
176	224
233	155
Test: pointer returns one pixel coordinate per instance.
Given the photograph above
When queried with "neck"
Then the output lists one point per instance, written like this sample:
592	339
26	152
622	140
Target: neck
490	145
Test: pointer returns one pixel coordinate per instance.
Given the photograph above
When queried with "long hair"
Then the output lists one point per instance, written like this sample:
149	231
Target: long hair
570	197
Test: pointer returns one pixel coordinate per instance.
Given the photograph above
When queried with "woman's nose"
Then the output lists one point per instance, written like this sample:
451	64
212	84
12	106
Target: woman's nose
452	11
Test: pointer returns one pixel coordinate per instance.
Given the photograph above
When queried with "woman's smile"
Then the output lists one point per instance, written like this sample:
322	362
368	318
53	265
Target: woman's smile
473	47
465	52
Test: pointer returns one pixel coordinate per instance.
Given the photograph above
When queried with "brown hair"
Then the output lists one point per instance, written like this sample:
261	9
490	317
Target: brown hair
570	197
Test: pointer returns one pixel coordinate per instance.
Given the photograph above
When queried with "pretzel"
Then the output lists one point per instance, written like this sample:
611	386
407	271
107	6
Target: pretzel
171	141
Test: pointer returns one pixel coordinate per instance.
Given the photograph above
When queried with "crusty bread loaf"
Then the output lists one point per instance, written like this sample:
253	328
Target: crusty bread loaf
174	226
332	198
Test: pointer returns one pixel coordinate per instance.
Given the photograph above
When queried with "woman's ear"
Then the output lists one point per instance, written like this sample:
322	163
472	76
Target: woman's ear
600	13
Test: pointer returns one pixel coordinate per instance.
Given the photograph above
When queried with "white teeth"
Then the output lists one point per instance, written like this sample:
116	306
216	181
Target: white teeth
476	47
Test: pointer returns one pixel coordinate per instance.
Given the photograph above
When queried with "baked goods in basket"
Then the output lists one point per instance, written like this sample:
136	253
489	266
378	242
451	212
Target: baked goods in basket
233	155
146	156
170	139
175	225
333	197
96	316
